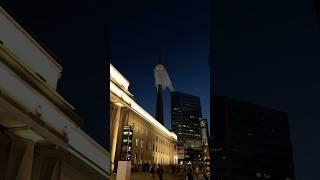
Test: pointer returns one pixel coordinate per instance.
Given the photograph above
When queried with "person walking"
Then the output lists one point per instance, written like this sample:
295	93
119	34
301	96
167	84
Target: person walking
160	172
152	171
189	172
147	167
197	173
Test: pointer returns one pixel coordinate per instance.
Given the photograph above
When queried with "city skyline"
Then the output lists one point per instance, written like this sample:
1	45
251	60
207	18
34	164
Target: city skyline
150	104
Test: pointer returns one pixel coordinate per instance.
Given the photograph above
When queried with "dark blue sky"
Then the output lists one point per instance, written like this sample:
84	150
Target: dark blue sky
181	29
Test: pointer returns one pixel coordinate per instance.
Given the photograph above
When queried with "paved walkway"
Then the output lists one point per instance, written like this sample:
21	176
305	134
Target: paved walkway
145	176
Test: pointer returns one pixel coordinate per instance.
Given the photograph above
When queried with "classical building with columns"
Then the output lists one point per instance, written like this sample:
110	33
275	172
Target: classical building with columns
40	136
151	141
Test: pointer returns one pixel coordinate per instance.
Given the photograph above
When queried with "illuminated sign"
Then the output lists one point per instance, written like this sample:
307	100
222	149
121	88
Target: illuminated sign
126	143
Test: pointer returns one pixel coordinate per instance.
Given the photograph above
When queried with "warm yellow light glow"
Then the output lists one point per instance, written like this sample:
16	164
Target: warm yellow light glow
118	92
119	104
117	76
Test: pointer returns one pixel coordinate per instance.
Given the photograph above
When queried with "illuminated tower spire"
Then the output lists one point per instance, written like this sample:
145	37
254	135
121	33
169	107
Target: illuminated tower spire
162	81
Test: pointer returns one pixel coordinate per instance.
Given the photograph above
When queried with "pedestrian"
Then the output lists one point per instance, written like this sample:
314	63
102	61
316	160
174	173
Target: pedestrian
148	167
152	171
160	172
197	172
205	174
189	175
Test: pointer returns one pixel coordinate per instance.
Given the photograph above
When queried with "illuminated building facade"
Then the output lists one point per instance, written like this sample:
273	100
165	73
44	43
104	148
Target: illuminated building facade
40	134
151	141
186	116
250	141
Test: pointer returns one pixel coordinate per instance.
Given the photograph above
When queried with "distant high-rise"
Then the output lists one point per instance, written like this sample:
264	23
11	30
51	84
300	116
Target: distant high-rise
250	141
205	140
162	81
186	116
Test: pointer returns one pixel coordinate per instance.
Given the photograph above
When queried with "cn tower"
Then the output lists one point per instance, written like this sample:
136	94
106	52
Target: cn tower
162	81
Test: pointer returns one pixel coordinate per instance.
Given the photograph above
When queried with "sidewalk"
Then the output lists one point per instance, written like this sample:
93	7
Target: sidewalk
145	176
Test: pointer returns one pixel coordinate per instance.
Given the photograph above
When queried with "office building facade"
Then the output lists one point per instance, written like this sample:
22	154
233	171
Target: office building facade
250	141
185	122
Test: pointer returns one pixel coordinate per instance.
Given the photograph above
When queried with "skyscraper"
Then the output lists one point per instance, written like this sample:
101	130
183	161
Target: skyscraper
186	116
205	139
250	141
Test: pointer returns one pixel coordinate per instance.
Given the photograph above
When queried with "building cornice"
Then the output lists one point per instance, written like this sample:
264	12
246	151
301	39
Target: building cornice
11	61
30	35
128	102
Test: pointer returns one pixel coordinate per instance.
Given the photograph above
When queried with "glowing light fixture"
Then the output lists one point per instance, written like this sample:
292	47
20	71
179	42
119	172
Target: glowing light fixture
119	104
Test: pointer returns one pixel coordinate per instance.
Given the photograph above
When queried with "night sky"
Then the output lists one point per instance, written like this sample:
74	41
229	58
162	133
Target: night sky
266	52
181	29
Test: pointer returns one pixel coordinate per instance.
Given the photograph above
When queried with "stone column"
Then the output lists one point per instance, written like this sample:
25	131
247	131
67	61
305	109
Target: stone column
123	120
20	159
114	129
47	164
51	168
4	154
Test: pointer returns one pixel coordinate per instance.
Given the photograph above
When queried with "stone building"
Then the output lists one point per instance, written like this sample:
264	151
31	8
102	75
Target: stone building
40	135
151	141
